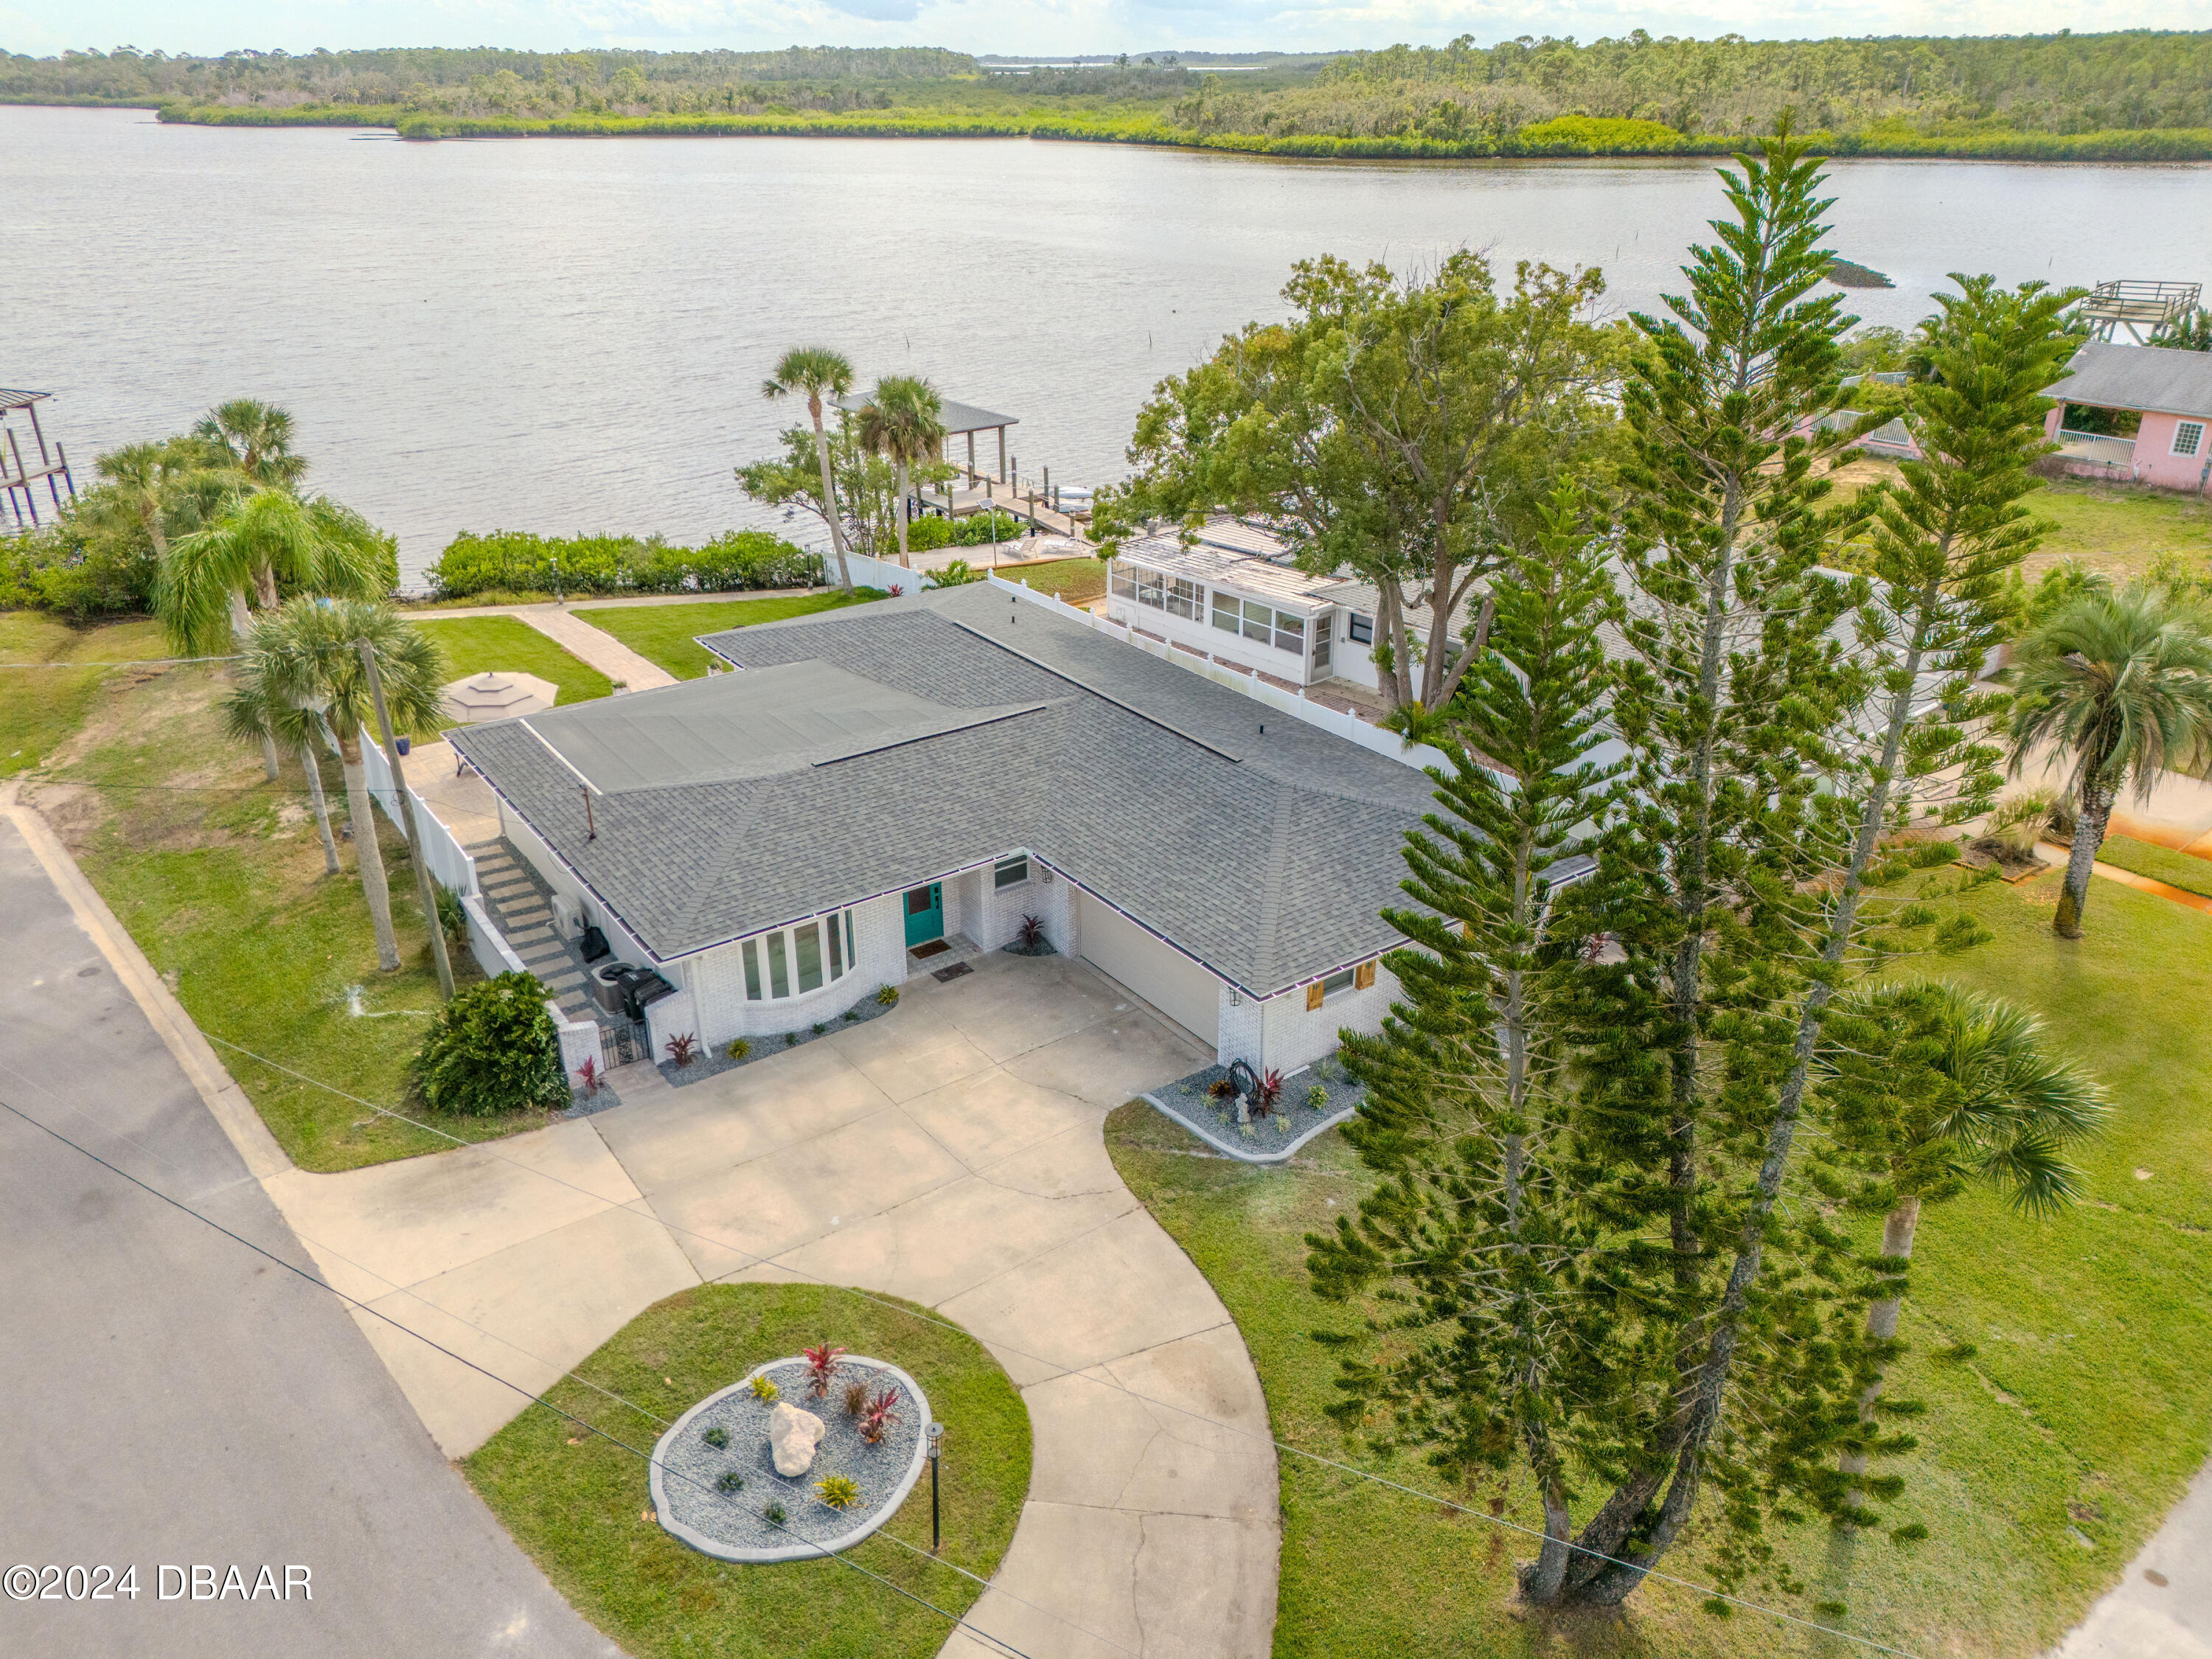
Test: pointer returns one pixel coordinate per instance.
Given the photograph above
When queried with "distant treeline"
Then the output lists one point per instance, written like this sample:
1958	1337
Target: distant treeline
2139	94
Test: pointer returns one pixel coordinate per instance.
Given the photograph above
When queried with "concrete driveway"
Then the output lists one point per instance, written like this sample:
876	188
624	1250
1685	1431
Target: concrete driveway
949	1152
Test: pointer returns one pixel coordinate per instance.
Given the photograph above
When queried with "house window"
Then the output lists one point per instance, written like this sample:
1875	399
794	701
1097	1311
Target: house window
1290	633
1125	584
1152	589
2188	437
1259	622
1336	983
837	949
1359	629
1322	631
753	973
852	950
1185	599
779	976
807	944
1010	873
1228	615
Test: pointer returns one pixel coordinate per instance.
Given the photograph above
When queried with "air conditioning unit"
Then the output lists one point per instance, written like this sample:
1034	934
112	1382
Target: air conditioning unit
568	916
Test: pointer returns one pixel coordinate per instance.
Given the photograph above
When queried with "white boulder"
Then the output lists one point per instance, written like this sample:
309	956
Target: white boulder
794	1435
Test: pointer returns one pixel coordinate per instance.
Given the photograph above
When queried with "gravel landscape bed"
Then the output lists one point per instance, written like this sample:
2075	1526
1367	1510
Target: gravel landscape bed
713	1062
1268	1140
734	1525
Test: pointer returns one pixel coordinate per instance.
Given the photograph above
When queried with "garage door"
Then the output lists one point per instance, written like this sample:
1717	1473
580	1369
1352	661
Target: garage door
1166	978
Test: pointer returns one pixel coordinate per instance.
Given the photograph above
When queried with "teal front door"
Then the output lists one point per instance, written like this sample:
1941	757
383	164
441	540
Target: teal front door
924	915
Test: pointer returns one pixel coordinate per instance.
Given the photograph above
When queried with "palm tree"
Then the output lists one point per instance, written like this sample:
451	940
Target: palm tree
303	668
817	370
255	439
2122	683
905	421
264	537
1969	1092
252	714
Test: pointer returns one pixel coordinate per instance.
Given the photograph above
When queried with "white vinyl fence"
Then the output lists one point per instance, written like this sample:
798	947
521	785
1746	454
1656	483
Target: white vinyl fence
447	860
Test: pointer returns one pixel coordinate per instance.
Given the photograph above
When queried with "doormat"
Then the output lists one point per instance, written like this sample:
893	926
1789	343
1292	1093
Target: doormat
953	972
936	947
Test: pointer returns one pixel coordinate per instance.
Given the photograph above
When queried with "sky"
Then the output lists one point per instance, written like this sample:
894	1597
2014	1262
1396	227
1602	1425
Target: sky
1008	27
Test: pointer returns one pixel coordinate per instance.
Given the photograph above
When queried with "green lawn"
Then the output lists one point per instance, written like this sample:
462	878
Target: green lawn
666	635
2119	531
219	877
2084	1408
581	1506
474	644
39	707
2184	870
1079	581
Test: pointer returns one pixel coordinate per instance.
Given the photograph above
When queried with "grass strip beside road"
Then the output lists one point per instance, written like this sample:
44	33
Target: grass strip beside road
2066	1365
666	635
476	645
580	1505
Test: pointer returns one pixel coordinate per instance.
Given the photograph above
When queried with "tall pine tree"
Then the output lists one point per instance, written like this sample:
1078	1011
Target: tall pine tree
1472	1234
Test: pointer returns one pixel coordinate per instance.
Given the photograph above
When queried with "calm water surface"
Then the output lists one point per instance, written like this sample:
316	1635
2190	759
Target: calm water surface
570	335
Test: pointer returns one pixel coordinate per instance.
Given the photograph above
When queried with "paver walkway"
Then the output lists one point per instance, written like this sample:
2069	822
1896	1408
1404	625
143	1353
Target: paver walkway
951	1153
597	647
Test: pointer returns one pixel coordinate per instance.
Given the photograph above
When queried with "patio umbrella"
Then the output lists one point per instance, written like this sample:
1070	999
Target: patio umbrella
494	695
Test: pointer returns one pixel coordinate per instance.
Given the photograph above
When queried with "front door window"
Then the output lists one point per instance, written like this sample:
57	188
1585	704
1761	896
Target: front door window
924	913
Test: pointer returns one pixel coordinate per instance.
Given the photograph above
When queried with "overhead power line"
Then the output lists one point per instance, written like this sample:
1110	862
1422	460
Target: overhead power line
751	1258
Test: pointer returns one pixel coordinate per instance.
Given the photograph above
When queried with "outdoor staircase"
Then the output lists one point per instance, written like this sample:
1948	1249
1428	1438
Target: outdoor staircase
521	907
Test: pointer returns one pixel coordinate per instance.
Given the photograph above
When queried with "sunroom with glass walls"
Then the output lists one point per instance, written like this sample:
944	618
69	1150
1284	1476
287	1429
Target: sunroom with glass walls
795	977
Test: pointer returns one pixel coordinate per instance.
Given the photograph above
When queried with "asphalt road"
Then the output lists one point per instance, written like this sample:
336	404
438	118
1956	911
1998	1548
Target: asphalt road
173	1401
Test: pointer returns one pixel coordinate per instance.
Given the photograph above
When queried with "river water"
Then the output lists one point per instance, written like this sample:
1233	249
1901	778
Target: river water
569	336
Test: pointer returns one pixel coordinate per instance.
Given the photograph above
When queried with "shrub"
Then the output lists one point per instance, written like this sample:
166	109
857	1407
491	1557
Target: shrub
515	561
772	1515
927	534
2020	823
856	1399
764	1389
1269	1094
1221	1088
839	1491
731	1481
958	574
821	1368
888	995
683	1048
492	1048
981	529
453	920
588	1074
717	1437
1316	1097
791	1039
1032	933
819	1028
737	1048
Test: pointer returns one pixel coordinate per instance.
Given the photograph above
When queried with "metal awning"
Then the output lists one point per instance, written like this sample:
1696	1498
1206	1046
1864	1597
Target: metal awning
957	417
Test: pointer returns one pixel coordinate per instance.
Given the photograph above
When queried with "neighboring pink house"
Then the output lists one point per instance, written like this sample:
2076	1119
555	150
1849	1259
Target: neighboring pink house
2171	390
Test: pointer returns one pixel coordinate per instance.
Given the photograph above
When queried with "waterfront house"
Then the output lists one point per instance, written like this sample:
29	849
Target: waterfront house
891	788
1231	593
2166	394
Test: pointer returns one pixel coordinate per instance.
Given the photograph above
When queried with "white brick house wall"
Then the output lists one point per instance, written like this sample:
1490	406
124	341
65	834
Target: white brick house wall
1281	1034
715	981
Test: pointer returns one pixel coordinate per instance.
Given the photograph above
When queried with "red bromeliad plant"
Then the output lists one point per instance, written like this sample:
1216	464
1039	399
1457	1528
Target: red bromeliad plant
882	1413
820	1369
1268	1096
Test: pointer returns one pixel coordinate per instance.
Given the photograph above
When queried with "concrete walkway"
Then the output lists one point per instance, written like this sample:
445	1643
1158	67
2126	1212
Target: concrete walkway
597	647
949	1152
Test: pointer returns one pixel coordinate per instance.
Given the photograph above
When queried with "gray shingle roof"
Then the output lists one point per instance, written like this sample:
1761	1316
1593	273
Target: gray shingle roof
2158	378
1266	856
